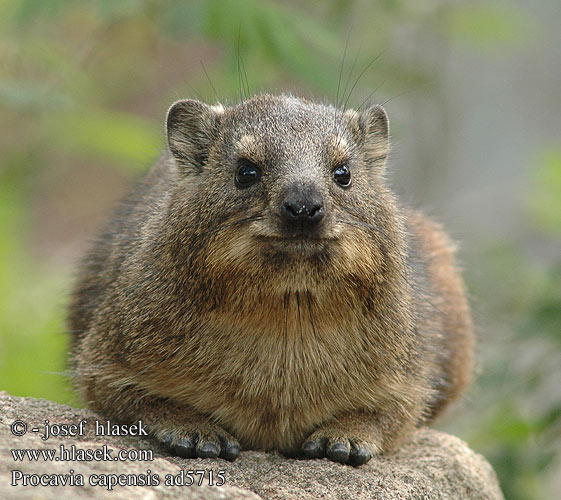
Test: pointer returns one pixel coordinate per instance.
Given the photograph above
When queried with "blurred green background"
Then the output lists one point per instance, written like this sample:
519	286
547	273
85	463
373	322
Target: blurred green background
473	90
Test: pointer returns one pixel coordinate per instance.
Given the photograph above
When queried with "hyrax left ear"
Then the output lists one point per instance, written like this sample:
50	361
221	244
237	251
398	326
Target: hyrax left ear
192	127
375	127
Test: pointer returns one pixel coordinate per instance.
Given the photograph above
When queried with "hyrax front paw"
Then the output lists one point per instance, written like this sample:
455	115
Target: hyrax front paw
338	447
206	441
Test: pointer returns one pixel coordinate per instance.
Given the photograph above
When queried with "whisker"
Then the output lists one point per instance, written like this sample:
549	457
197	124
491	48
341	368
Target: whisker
363	224
244	77
67	374
195	91
210	81
361	75
371	94
399	95
349	79
238	59
341	69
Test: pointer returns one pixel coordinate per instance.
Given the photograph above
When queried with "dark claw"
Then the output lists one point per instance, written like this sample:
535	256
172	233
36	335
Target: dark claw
167	440
185	448
360	455
208	450
338	452
229	450
314	448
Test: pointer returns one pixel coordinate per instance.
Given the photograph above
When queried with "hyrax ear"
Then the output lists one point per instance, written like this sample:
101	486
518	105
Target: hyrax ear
375	128
191	127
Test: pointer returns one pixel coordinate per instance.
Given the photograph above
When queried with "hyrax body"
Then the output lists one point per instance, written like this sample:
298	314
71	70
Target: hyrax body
262	287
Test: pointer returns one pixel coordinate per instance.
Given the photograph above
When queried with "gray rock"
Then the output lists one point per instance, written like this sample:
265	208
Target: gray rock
432	465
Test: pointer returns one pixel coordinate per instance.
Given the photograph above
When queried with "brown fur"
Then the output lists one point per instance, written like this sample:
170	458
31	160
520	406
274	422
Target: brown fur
198	315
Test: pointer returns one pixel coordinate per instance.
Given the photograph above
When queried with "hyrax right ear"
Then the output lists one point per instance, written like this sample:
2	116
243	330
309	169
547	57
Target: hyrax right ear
191	128
374	124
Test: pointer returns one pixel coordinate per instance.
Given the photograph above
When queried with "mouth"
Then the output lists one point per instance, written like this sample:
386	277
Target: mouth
296	238
296	245
293	239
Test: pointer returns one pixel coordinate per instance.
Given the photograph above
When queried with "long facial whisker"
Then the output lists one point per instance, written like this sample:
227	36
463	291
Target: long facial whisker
356	222
360	76
210	81
348	80
250	218
341	70
233	223
371	95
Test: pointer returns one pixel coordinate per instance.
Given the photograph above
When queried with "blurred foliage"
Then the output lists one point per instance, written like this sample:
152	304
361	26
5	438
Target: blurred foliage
488	26
32	341
518	402
517	405
85	83
544	203
95	133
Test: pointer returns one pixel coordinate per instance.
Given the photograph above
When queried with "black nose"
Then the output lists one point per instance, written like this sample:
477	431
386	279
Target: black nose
302	207
294	211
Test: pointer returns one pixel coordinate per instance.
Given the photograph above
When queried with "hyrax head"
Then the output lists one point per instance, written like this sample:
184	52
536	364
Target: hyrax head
280	175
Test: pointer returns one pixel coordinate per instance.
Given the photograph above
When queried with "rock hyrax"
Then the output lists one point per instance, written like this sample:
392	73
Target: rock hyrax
262	288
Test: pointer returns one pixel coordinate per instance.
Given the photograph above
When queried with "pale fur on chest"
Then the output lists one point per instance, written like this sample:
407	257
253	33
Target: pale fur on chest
272	374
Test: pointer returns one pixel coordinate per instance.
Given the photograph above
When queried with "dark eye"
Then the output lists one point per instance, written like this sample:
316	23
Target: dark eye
342	175
248	173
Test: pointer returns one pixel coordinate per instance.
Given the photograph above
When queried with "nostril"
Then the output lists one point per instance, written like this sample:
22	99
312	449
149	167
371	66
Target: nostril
316	212
289	211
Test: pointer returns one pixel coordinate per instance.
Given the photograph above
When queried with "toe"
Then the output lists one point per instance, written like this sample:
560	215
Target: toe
314	447
167	441
360	454
185	447
208	450
208	445
338	451
229	448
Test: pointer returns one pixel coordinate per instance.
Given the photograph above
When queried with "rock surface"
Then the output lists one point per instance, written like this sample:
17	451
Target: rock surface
432	465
